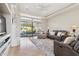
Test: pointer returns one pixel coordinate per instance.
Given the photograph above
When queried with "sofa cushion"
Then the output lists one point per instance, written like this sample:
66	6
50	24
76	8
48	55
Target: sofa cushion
77	37
76	47
68	40
75	41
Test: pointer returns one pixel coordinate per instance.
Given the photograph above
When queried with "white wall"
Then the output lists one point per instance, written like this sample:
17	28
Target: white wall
44	23
15	33
8	23
65	20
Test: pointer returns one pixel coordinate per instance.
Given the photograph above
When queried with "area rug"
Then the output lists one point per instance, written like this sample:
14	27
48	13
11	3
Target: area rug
44	44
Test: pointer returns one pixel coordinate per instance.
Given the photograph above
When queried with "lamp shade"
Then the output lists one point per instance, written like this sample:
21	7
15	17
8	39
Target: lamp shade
74	26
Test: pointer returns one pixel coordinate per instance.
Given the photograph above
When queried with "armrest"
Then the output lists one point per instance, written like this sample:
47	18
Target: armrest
61	49
58	43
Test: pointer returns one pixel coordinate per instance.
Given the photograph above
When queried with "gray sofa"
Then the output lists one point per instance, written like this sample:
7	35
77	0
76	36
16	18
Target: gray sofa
59	38
61	49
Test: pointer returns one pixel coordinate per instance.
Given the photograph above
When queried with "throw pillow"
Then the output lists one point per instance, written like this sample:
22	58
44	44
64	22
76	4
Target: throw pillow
75	41
68	40
52	33
63	33
59	33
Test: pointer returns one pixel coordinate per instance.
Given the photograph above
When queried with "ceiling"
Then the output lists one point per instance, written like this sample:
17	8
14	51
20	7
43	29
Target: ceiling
40	9
3	8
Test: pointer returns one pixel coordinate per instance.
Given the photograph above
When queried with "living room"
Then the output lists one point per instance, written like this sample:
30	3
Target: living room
60	25
45	29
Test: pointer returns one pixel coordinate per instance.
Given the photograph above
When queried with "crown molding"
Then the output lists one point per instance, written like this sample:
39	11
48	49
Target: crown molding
29	16
58	12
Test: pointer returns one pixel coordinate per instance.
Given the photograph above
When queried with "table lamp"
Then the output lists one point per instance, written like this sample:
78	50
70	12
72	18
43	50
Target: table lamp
74	27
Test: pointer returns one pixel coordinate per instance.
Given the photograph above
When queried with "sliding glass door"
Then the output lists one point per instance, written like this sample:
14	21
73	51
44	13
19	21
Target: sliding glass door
29	27
26	27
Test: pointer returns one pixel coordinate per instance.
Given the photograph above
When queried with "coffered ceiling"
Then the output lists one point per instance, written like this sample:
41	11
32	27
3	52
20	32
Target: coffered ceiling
40	9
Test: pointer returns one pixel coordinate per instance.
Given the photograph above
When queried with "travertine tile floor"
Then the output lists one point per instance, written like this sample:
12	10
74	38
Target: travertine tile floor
26	48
